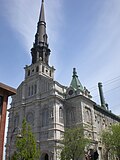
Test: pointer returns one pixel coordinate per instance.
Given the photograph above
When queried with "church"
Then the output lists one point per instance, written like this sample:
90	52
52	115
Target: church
50	107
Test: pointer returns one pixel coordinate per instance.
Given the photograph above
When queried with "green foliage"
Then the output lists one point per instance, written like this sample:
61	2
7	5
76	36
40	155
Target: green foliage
26	147
111	140
73	144
115	139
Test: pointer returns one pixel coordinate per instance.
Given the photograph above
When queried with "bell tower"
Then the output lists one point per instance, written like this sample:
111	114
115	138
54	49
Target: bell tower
40	51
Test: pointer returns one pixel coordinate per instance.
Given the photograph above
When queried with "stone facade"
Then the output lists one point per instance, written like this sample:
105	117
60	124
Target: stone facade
49	107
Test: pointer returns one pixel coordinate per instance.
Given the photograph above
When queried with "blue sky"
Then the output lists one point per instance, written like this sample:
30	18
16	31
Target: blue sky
82	33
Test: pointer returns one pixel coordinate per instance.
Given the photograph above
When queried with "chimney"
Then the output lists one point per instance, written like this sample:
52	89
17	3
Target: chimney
102	99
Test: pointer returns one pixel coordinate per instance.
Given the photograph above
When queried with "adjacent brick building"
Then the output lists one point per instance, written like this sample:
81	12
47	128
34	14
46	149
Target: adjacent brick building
5	92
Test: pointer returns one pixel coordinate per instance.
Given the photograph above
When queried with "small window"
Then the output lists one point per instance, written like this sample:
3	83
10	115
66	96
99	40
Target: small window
28	72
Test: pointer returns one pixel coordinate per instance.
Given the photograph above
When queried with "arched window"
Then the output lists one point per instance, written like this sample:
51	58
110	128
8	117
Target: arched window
88	116
30	118
60	112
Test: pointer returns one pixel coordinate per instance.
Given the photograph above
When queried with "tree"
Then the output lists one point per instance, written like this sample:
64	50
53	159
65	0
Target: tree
106	140
26	146
115	140
73	144
111	141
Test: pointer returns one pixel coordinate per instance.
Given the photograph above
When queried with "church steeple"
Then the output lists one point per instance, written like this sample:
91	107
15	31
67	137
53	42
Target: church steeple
40	50
42	15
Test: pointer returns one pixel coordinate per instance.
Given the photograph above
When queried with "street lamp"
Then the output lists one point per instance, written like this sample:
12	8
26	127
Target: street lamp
18	136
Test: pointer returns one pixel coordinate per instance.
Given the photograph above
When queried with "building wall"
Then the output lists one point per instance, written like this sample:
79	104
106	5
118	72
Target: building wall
48	109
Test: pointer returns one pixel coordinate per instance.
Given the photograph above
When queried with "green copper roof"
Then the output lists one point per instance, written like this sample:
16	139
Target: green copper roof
75	83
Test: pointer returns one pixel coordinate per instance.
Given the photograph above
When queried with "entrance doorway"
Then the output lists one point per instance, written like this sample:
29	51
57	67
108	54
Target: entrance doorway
44	156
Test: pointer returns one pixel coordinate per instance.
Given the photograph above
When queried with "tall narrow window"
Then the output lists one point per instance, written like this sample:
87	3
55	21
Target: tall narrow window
28	72
45	117
88	115
29	91
61	115
32	90
35	88
60	112
72	116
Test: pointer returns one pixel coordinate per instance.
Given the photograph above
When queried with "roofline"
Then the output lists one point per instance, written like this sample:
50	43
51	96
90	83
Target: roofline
9	90
99	108
107	112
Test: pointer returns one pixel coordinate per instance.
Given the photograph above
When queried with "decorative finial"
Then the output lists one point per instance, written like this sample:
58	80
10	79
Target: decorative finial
74	72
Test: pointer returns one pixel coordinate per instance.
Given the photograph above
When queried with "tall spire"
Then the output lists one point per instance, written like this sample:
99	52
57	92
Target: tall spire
40	50
42	15
41	30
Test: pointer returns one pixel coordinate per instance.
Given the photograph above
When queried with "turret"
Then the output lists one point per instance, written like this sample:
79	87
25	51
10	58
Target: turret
75	83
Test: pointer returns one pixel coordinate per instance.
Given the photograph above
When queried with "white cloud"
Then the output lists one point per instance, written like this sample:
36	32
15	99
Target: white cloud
23	17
